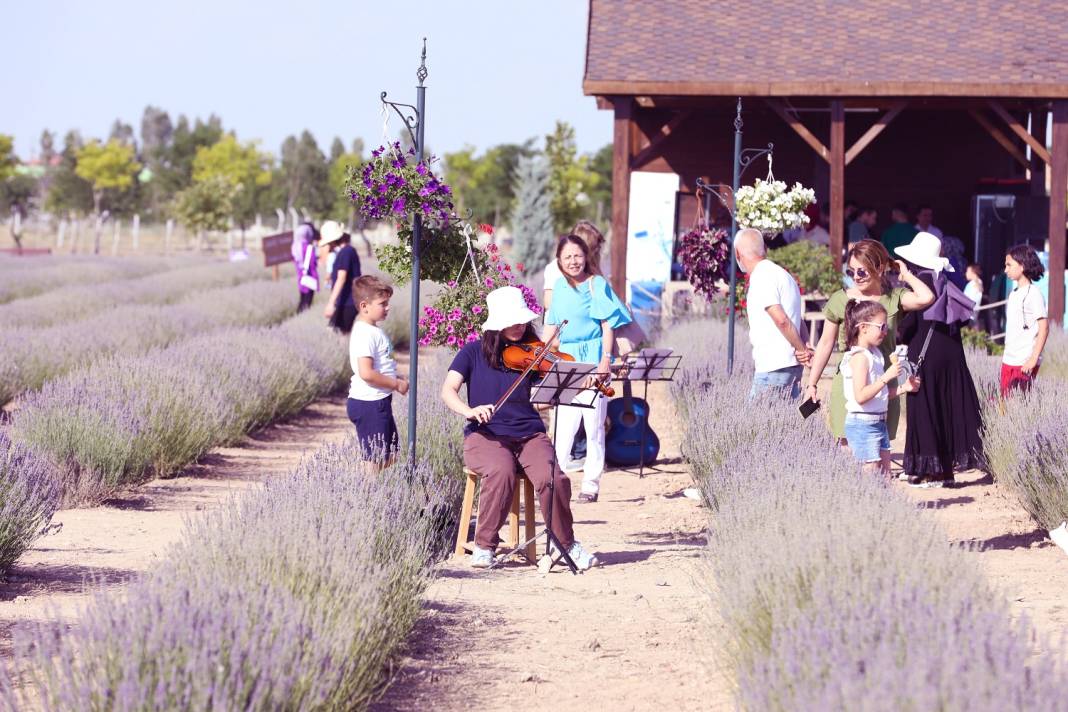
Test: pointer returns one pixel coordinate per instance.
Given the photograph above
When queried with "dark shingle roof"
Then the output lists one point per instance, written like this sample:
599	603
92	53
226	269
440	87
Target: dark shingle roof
828	48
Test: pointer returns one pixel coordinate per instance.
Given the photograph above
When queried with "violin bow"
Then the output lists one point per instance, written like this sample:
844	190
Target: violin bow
539	356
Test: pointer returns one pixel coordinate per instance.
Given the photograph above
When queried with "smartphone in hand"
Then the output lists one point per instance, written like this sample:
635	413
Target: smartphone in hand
808	408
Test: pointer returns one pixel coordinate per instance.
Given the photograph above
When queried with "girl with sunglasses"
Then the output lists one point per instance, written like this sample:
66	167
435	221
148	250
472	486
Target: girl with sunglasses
869	385
868	265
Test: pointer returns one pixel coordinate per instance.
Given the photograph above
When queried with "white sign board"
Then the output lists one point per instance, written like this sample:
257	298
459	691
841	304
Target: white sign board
651	226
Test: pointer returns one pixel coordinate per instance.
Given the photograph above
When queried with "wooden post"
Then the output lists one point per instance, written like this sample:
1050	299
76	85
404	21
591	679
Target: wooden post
622	150
1058	197
276	273
1038	166
837	181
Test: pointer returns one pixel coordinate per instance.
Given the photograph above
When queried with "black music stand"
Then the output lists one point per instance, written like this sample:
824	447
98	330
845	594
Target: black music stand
650	365
561	385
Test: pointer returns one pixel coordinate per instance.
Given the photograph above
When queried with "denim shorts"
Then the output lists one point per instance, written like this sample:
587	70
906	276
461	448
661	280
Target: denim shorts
866	437
785	381
375	427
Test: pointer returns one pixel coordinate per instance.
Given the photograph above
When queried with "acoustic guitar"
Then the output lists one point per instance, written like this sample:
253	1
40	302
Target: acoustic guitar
628	418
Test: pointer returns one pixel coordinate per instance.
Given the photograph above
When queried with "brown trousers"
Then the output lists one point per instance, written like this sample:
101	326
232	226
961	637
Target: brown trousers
496	459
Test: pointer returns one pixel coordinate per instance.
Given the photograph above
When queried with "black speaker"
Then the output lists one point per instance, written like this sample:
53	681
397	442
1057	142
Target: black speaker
1032	220
993	220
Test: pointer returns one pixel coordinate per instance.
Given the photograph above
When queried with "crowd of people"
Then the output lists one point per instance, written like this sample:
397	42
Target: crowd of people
911	300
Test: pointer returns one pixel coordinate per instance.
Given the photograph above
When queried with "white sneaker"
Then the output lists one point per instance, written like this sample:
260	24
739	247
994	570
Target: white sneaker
482	558
583	559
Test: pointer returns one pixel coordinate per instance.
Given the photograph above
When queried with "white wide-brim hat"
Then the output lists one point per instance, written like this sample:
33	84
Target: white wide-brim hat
925	251
330	231
506	308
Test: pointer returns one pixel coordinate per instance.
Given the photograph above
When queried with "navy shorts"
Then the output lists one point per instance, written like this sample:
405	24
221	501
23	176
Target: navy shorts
375	427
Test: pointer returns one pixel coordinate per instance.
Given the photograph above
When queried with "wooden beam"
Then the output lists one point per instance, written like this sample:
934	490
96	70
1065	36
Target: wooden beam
1038	166
875	130
1058	197
622	150
604	103
837	161
1021	131
799	128
652	150
999	136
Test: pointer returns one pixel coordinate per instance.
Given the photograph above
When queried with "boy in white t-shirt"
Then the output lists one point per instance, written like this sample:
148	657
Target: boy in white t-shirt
370	403
1026	325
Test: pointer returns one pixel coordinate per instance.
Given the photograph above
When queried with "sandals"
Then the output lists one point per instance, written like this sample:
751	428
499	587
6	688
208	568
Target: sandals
587	498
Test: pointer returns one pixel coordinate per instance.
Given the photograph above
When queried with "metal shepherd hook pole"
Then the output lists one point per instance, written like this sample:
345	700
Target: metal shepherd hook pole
734	231
417	239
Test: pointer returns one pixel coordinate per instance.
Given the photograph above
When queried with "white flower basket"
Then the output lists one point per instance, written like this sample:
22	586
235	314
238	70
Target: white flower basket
769	207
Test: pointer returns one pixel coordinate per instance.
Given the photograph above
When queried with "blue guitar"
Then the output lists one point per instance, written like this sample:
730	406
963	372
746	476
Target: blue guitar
628	419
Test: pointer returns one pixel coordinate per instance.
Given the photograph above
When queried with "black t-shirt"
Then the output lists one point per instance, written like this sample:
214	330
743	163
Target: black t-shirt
347	260
516	417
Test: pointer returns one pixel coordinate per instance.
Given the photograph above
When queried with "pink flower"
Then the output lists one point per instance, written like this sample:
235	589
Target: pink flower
477	309
451	341
450	329
489	281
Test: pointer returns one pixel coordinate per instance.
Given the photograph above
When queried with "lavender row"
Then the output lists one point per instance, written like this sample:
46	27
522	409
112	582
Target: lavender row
295	596
71	302
28	276
29	358
131	418
29	495
835	592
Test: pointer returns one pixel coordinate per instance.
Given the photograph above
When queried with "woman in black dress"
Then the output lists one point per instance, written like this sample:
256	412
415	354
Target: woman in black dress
943	417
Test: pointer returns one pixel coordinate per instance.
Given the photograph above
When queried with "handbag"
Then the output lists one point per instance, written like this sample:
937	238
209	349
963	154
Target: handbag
306	280
629	336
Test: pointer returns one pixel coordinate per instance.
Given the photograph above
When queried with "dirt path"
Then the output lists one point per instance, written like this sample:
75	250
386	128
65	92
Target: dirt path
634	633
127	536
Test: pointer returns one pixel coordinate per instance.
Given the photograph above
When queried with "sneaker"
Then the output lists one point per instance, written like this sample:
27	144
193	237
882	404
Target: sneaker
904	477
574	466
583	559
482	558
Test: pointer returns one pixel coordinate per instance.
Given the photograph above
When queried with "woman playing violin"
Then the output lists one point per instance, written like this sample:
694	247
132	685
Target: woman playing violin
500	439
583	299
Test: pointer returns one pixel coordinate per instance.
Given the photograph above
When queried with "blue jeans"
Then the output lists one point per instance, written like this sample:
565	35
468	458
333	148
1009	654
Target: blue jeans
785	380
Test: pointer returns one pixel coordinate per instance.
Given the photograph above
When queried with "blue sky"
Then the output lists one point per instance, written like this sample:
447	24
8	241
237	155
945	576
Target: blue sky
499	70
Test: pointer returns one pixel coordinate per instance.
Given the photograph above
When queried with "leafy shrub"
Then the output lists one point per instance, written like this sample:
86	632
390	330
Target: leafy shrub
29	495
130	418
31	357
292	597
810	264
1026	442
981	341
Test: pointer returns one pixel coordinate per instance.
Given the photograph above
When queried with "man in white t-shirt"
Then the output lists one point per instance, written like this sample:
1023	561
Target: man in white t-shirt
773	307
924	216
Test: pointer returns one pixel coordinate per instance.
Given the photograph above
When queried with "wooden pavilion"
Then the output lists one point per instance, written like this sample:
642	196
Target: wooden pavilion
877	101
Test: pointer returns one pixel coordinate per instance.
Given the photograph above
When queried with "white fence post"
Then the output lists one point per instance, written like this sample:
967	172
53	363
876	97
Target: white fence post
136	229
61	234
167	236
116	233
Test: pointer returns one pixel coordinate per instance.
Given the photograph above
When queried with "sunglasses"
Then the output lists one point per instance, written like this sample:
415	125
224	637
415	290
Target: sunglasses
858	273
883	328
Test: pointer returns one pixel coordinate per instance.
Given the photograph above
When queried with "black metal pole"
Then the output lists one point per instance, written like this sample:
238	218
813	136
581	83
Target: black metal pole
417	239
734	231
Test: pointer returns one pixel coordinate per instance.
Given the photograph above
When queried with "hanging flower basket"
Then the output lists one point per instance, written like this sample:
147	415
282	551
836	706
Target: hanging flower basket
770	207
705	257
393	186
456	317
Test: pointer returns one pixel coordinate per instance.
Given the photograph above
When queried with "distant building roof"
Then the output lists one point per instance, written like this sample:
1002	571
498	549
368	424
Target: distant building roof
821	48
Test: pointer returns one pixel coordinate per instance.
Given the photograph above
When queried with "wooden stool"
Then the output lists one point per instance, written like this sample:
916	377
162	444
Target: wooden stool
464	546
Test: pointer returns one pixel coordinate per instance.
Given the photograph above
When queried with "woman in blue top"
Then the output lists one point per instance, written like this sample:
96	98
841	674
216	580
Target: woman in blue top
584	299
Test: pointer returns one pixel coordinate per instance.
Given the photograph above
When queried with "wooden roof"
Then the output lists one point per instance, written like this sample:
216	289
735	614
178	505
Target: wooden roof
828	48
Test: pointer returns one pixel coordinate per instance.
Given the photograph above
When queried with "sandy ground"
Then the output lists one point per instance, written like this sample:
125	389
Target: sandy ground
635	633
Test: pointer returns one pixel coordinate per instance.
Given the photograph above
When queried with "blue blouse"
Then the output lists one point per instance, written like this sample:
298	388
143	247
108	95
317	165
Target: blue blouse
584	309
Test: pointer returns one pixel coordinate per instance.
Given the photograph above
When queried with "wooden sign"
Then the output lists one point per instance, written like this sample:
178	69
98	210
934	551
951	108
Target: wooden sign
277	249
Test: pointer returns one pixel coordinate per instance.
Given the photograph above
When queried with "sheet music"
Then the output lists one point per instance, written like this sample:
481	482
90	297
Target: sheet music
650	365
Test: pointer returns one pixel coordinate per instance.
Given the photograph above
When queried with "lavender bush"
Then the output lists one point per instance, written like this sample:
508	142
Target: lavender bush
130	418
72	302
292	597
836	593
29	495
31	357
27	277
1026	442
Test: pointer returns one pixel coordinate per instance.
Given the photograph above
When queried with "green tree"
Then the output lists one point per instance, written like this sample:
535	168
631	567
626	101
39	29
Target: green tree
8	160
570	178
176	166
242	166
69	192
306	174
485	185
205	205
107	167
343	209
336	149
532	220
601	192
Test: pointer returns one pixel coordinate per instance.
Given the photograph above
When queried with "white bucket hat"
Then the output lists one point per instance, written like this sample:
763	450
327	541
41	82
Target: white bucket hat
925	251
330	231
507	308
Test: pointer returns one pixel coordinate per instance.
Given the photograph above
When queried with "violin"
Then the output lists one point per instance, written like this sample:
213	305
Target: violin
524	356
